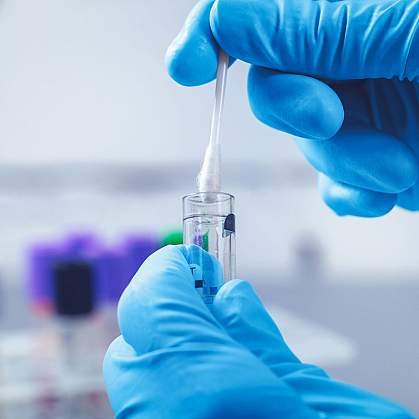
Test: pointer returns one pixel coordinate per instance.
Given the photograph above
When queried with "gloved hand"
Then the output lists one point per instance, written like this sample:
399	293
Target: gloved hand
341	75
177	359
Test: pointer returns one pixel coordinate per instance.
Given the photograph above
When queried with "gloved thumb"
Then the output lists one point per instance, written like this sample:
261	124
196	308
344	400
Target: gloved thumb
242	314
341	39
161	309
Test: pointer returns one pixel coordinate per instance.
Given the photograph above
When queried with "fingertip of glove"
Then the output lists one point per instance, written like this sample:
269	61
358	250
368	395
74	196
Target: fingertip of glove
191	63
235	298
192	57
235	289
348	200
296	104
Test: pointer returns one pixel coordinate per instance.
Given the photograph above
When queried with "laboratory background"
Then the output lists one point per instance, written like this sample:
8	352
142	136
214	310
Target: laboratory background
97	147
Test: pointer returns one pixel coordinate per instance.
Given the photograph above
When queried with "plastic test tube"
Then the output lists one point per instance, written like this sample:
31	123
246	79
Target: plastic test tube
209	222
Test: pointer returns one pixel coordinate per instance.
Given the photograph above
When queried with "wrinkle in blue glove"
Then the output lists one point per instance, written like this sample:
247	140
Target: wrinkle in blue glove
345	72
177	359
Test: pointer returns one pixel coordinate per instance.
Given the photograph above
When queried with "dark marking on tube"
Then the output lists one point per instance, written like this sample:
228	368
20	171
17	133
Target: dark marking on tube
229	225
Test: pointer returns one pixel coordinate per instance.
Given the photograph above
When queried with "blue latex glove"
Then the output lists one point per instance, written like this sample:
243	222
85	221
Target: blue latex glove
345	71
177	359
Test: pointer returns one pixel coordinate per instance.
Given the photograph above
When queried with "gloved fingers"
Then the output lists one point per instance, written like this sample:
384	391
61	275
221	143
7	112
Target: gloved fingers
242	314
239	310
296	104
192	57
331	39
161	307
364	157
346	199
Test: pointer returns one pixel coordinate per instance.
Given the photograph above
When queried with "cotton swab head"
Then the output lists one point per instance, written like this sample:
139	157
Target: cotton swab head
209	178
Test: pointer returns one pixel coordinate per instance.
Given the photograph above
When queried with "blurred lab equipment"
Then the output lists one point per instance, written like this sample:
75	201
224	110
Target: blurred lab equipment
138	248
112	266
172	237
54	369
309	262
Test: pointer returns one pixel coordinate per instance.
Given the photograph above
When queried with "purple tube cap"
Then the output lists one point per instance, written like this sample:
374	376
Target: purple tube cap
78	242
140	247
112	273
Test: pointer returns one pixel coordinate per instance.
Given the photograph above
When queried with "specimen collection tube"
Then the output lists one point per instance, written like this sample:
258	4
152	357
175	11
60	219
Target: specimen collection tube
209	222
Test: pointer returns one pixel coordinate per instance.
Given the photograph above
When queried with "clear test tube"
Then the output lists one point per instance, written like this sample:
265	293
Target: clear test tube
209	222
